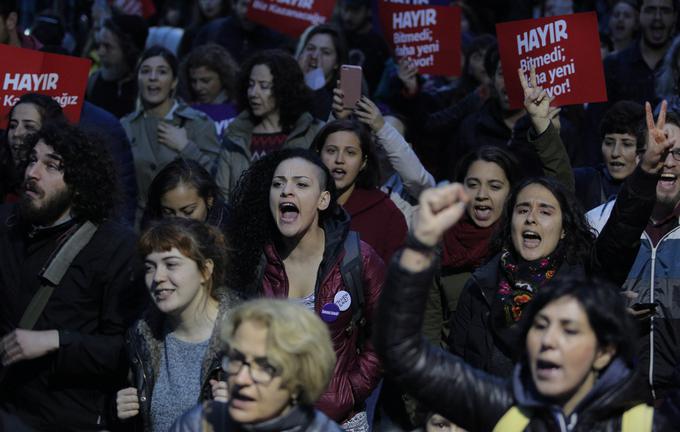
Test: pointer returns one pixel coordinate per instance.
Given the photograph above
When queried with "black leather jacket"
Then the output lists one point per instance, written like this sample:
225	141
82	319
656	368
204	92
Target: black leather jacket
474	399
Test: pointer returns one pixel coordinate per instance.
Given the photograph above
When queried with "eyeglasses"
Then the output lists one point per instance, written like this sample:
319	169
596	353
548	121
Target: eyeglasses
675	153
261	372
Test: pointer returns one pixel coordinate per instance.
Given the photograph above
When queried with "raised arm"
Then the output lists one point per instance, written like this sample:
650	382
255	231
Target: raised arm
545	136
442	381
618	243
402	158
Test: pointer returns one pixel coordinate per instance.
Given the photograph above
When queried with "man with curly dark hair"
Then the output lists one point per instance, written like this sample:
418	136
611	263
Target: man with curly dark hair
275	102
59	371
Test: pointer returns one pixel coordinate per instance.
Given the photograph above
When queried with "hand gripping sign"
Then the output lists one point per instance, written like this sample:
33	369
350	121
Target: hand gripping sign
62	77
291	17
565	50
429	34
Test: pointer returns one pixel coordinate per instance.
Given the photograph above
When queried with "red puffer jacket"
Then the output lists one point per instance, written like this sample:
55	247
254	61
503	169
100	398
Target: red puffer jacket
355	374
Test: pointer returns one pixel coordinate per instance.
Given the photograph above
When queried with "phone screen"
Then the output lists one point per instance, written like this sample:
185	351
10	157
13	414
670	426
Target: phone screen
350	84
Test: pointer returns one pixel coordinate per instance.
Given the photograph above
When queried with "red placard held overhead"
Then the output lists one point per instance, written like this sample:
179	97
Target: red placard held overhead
291	17
62	77
430	35
565	50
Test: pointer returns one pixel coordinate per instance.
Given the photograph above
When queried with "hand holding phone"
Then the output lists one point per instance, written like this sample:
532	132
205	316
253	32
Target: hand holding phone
643	311
350	84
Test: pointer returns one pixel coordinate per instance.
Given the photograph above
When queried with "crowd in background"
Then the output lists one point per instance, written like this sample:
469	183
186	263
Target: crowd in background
146	252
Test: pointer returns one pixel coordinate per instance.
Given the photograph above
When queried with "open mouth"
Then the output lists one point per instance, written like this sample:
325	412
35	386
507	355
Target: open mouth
546	369
240	401
161	294
482	212
289	212
153	90
667	181
531	239
338	173
616	164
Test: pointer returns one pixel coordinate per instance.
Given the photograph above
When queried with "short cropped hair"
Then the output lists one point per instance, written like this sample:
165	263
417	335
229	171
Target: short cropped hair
298	344
602	303
623	117
195	240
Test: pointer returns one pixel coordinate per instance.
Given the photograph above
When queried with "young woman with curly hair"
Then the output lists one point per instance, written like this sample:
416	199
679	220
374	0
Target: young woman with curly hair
276	100
208	76
292	235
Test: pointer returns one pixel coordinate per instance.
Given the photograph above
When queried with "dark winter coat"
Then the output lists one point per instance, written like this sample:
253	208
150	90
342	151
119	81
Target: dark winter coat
96	301
611	257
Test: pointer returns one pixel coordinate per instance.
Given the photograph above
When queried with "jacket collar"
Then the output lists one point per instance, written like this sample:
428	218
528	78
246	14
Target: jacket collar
241	129
297	419
611	392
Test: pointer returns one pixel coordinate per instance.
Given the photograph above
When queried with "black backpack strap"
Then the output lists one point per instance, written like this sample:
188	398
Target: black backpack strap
351	271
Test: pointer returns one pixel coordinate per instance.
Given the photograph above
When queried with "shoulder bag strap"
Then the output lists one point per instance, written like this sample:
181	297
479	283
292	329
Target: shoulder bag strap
54	272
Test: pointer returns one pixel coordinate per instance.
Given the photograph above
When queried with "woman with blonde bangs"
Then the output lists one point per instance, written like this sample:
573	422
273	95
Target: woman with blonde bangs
174	348
290	360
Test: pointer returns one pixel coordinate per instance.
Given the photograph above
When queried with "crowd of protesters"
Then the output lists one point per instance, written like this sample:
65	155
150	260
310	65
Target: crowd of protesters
221	243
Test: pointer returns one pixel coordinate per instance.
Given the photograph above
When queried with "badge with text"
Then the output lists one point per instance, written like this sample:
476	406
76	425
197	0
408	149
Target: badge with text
291	17
64	78
343	300
565	50
330	312
430	35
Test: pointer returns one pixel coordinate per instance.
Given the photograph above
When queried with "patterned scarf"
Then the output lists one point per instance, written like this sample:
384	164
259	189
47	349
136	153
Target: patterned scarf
520	280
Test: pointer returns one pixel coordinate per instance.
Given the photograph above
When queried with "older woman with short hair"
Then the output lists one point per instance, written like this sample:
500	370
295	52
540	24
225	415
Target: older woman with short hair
289	357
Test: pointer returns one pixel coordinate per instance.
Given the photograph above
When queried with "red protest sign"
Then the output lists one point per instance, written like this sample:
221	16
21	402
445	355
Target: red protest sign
565	50
430	35
62	77
291	17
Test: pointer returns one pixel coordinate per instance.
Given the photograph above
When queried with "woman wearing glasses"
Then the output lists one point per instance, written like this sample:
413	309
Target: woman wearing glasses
174	348
279	359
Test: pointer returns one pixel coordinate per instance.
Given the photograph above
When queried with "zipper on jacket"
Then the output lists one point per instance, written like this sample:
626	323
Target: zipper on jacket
652	288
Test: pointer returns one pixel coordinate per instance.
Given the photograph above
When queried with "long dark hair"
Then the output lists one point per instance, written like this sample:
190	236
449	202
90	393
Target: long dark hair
369	177
603	305
498	155
180	171
251	224
579	237
50	112
292	95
